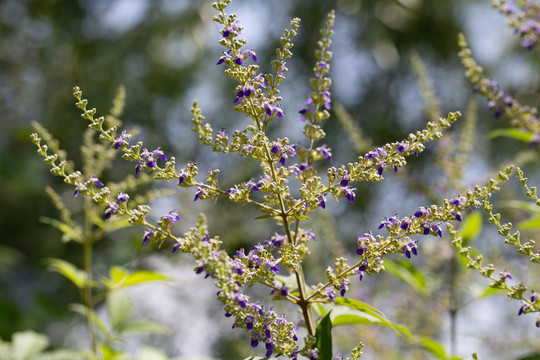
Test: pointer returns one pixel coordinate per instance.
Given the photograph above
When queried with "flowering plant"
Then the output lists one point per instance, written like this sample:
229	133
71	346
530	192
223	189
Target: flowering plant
296	180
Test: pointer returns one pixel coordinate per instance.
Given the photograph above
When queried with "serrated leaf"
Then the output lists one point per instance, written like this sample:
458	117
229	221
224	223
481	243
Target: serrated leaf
144	326
525	136
471	227
323	338
408	273
70	271
119	308
28	344
70	233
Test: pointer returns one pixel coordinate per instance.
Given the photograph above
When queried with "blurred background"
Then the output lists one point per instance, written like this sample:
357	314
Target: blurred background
164	53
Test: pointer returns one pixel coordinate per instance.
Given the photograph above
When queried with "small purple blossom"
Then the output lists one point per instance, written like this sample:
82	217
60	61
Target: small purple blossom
331	294
148	234
349	193
322	201
121	140
200	192
172	216
325	151
112	209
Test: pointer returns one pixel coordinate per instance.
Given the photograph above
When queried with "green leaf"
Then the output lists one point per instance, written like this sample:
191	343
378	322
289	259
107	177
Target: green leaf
147	353
433	347
62	355
324	338
84	311
373	312
144	326
70	271
525	136
264	217
69	232
28	344
301	217
140	277
119	308
408	273
471	227
530	224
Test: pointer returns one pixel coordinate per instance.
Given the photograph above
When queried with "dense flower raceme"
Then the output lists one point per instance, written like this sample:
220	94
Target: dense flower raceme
524	19
500	103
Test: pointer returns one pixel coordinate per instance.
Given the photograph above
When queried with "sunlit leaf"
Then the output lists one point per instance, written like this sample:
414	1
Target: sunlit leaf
408	273
70	271
144	326
525	136
140	277
119	308
69	232
471	227
84	311
433	347
28	344
370	310
530	224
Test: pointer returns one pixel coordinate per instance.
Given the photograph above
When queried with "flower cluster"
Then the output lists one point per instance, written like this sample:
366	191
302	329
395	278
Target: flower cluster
524	19
500	103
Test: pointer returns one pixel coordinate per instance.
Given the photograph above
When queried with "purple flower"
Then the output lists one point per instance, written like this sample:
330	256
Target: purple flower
331	294
505	275
176	247
436	229
322	202
121	140
389	222
121	198
343	287
148	234
346	178
224	58
241	299
172	217
182	177
349	193
325	151
427	227
200	192
112	209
